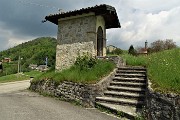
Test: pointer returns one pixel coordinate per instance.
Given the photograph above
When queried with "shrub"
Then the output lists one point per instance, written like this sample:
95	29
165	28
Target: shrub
85	62
117	51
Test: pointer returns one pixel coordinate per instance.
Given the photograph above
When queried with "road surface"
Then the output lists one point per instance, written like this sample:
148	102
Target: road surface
17	103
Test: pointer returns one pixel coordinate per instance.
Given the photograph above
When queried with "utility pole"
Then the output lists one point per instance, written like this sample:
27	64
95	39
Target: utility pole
46	61
18	63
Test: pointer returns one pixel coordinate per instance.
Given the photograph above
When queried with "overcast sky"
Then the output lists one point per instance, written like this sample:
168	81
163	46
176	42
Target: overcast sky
141	20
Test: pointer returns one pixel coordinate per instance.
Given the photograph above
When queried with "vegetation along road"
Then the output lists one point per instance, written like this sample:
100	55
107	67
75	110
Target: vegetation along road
19	104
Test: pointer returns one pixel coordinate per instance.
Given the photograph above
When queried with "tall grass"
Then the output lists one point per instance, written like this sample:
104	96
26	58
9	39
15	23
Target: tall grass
163	69
75	74
135	60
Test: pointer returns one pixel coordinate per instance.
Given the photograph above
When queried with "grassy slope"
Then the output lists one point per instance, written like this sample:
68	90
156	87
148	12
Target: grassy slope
74	74
13	77
163	69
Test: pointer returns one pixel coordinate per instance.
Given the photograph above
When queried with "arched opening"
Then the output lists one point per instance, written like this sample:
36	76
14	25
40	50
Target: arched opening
100	41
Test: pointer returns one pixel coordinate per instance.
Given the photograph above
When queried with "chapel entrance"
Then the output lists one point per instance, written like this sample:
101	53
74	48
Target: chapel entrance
100	41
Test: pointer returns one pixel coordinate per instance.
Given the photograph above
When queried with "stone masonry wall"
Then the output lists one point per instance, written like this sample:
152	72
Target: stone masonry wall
75	36
83	93
74	30
162	106
66	54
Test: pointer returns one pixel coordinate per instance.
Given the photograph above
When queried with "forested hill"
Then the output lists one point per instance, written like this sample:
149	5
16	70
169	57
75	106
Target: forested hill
33	52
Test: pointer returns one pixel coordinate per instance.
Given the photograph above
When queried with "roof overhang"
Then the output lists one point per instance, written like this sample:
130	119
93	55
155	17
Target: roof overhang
108	12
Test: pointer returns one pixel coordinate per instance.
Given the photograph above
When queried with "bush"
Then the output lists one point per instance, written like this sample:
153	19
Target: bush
117	51
85	62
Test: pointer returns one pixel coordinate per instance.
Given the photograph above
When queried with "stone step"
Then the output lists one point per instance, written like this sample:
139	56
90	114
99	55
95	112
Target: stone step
130	75
132	68
128	84
127	111
134	80
130	71
126	95
126	89
120	101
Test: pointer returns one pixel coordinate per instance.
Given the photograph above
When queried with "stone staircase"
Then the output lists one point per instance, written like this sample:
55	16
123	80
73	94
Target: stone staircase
126	92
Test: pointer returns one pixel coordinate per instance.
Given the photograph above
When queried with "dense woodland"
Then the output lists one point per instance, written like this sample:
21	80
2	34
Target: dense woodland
31	52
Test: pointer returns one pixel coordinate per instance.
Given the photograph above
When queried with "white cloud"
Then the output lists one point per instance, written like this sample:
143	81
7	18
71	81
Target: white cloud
139	23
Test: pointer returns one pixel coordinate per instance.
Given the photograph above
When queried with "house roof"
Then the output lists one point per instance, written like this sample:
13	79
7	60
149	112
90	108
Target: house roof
107	11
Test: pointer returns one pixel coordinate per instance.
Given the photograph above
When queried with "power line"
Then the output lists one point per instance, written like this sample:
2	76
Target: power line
36	4
40	5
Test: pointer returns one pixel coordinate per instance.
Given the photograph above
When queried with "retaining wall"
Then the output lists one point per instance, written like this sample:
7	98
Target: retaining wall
70	91
162	106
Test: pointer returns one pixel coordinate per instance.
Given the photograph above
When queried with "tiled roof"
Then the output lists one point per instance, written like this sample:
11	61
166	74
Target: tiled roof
107	11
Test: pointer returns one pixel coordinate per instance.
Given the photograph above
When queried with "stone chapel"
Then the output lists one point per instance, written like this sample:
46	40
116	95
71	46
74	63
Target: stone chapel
82	31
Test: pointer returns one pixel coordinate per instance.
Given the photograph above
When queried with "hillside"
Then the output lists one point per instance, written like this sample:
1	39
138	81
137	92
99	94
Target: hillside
31	52
163	69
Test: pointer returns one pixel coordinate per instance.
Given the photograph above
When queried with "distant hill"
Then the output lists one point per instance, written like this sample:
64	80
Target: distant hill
32	52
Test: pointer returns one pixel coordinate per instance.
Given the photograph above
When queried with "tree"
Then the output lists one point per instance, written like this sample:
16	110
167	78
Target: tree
169	44
131	50
160	45
157	46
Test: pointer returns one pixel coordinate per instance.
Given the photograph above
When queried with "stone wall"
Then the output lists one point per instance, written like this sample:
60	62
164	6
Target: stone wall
74	38
77	29
66	54
83	93
162	106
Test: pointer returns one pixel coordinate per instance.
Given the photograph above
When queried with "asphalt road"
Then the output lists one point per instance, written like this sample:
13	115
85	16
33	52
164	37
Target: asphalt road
16	103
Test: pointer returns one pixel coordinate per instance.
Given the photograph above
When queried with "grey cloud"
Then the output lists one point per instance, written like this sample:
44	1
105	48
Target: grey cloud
22	19
3	43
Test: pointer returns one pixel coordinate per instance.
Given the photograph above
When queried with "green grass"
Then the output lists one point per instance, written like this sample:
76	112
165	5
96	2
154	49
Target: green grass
75	74
19	77
13	77
135	60
33	73
163	69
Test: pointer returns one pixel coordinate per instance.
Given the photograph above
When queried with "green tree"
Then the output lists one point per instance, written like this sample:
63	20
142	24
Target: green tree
131	50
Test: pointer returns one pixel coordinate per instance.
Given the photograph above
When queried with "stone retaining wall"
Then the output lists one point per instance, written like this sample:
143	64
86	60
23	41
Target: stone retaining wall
162	106
83	93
